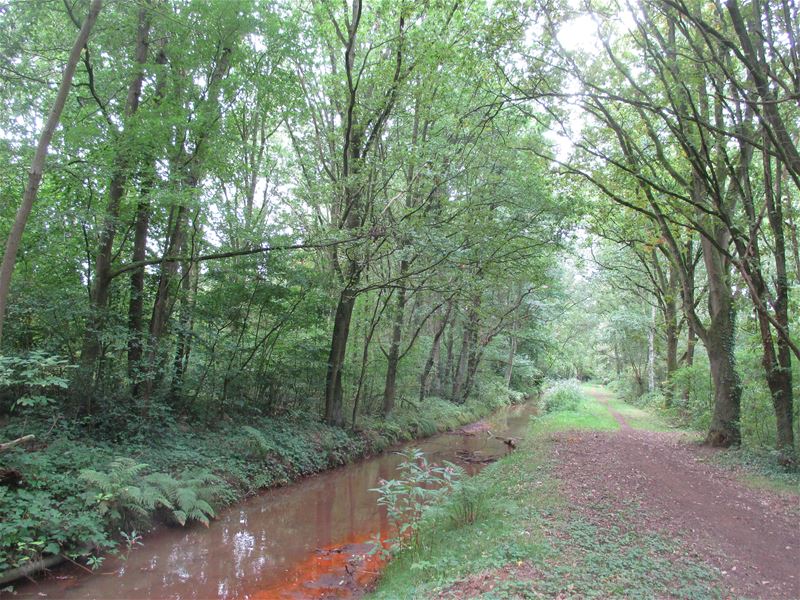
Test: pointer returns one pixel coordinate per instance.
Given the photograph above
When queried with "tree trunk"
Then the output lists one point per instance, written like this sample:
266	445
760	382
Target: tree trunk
433	356
189	282
724	428
691	342
37	165
793	237
446	370
760	75
779	376
136	301
117	187
512	351
139	253
475	354
471	352
333	379
780	386
671	335
720	336
393	359
720	343
671	330
162	307
460	374
369	331
651	352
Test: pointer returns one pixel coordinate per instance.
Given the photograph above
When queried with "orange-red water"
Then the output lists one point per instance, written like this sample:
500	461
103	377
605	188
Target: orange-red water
307	540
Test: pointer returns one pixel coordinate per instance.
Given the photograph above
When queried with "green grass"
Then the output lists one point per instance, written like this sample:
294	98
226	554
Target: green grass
528	528
590	414
519	493
636	417
639	418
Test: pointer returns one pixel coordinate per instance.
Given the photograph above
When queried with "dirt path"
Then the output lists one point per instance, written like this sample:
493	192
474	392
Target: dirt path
751	536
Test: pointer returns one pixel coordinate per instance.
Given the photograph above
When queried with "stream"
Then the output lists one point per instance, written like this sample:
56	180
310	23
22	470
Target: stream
310	539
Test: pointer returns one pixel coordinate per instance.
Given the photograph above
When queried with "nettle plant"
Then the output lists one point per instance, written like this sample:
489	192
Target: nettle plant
419	485
32	376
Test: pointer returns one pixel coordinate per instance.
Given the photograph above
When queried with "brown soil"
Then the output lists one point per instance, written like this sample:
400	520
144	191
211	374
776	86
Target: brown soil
750	535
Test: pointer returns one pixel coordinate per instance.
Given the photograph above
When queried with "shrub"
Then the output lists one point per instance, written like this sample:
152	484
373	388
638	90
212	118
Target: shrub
493	393
693	396
34	524
419	485
32	378
655	399
563	395
256	443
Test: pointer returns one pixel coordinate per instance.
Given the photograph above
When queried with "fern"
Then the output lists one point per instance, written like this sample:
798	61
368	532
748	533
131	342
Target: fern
258	446
128	497
190	495
122	493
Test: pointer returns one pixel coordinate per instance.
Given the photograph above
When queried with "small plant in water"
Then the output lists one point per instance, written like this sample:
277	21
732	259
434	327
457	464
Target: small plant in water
419	484
131	540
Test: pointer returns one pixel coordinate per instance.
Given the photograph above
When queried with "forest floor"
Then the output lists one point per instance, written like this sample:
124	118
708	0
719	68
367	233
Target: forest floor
610	501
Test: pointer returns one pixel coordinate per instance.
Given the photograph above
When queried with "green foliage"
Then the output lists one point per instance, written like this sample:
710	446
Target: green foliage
419	485
608	561
190	495
128	497
562	396
225	401
256	443
762	468
179	476
120	494
30	378
691	401
411	421
493	393
693	397
37	523
467	503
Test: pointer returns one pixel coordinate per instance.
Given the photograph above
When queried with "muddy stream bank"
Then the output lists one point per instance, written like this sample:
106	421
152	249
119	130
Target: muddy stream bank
306	540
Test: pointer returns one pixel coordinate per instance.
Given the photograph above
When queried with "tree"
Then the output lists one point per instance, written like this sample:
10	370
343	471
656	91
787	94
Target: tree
37	165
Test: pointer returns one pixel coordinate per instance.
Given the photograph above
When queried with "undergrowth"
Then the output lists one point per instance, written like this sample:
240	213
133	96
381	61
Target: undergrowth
761	468
562	396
